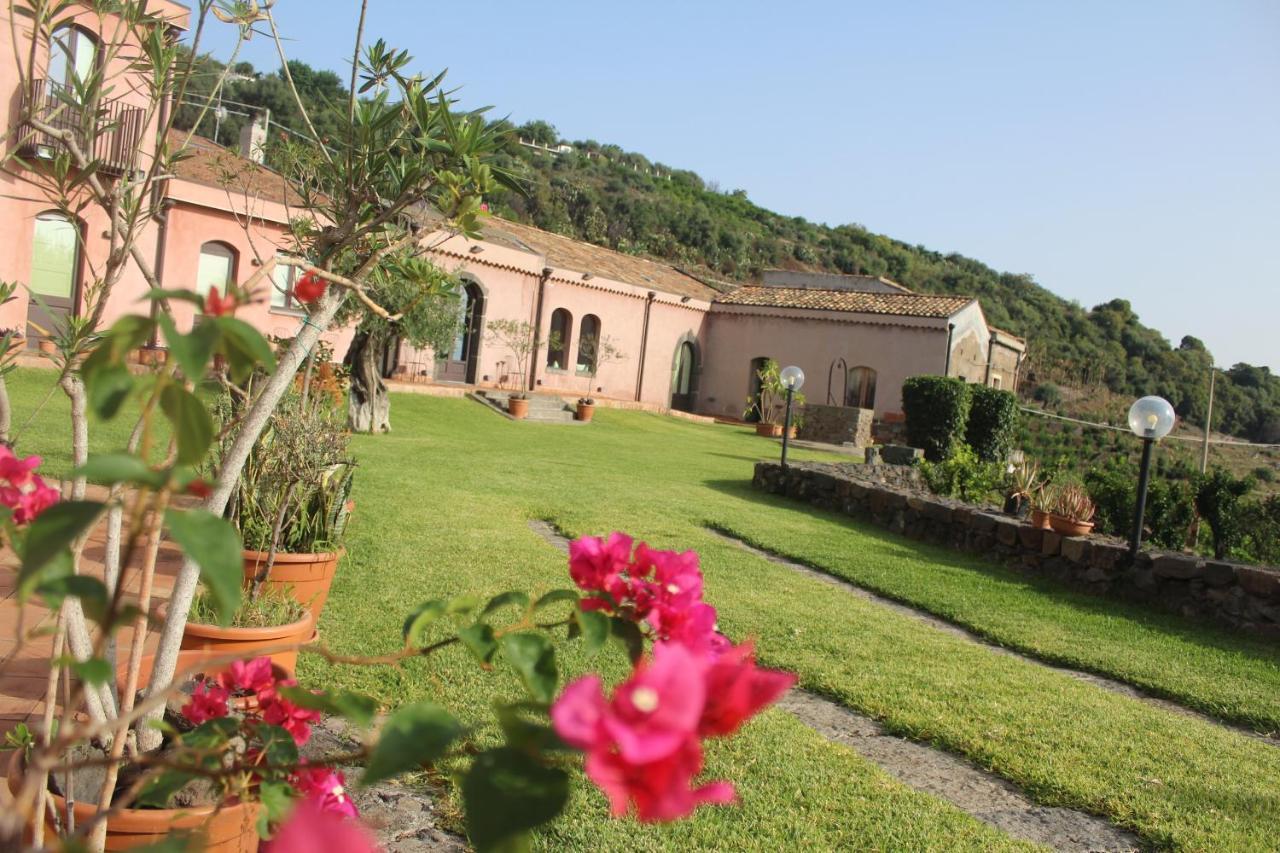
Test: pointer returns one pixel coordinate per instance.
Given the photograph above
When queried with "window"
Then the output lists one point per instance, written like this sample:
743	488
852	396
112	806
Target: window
558	342
861	391
283	278
217	268
684	369
55	256
589	344
72	55
995	381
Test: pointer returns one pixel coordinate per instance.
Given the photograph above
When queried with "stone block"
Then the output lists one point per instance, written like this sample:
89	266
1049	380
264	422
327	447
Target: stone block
982	522
1108	556
1007	531
1050	543
1219	573
897	454
916	503
938	511
1076	549
1031	538
1259	581
1177	566
871	455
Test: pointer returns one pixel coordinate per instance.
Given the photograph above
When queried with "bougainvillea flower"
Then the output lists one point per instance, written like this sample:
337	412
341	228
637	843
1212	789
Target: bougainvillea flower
327	788
253	676
309	288
693	626
737	690
310	828
578	713
660	790
677	580
18	472
28	503
217	305
296	720
199	489
594	562
208	702
659	706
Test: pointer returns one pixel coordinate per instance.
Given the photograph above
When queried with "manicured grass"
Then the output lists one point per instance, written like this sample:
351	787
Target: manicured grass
442	507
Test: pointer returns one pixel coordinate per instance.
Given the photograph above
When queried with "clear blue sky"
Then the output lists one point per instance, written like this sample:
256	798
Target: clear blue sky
1111	149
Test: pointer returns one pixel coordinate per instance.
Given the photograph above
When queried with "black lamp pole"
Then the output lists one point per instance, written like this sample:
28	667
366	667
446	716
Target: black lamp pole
1144	477
786	427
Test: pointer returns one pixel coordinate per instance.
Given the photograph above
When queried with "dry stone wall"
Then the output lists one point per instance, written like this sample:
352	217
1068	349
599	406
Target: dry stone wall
1240	596
837	425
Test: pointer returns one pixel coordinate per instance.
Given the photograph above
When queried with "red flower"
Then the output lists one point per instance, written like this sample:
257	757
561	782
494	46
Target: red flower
326	787
208	702
199	488
313	829
660	790
737	690
217	305
18	472
309	288
29	502
253	676
278	711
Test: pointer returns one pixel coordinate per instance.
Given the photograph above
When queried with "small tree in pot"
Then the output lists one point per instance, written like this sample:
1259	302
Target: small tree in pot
770	405
594	352
519	336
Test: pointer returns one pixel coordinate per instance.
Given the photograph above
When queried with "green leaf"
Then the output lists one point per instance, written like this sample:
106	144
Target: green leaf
463	604
628	633
193	350
525	734
110	468
106	389
278	746
181	295
94	671
244	347
415	735
212	734
506	794
502	599
421	619
554	596
192	426
595	629
52	532
54	588
535	660
156	793
479	639
214	545
277	800
355	707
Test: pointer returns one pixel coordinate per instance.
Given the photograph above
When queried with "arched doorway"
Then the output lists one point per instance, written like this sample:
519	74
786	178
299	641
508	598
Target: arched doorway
684	371
460	363
753	397
860	393
55	275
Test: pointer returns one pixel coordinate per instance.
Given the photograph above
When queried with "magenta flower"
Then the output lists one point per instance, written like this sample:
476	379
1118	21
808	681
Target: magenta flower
19	472
311	828
595	562
253	676
660	790
737	690
278	711
658	707
325	787
208	702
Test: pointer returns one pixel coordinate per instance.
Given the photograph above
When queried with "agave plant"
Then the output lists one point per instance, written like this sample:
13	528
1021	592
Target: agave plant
1025	481
1073	502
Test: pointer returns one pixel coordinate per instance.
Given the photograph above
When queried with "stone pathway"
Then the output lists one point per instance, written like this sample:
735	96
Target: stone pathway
984	795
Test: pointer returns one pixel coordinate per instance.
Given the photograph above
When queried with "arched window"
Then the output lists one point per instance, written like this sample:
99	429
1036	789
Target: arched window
682	381
589	344
217	268
72	55
861	391
559	339
55	256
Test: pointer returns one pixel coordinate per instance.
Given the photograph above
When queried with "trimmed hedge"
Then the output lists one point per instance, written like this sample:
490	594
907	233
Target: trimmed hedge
937	410
993	420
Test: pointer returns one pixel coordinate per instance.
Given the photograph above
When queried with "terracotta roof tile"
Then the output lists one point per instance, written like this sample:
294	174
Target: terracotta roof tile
213	165
565	252
858	302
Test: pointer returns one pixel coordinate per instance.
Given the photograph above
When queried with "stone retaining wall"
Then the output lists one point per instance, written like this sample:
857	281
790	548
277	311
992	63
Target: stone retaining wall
1237	595
837	424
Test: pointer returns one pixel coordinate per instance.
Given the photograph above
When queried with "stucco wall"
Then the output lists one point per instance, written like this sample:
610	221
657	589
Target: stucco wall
813	340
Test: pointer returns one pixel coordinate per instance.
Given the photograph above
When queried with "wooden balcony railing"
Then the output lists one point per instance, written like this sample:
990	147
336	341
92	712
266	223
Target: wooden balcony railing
110	136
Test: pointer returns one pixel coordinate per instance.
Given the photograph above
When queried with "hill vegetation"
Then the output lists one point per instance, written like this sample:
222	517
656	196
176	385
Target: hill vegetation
605	195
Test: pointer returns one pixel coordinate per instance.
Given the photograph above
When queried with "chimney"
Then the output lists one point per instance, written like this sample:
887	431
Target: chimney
253	136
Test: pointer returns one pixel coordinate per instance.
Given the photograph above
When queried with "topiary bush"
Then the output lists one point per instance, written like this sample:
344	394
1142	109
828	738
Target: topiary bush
993	422
937	410
1171	503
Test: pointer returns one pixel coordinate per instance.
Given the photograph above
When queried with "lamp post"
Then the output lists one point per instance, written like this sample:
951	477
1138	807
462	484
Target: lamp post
792	379
1150	419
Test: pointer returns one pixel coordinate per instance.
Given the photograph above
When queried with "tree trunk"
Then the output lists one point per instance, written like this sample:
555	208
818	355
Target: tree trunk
368	406
184	588
6	411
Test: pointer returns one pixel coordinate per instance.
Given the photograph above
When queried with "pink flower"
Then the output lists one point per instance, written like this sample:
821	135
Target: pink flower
278	711
677	580
309	288
27	505
693	627
217	305
313	829
253	676
208	702
327	788
17	471
594	562
737	690
661	790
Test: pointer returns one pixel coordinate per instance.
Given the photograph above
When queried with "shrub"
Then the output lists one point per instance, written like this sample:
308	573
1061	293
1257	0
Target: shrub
1263	474
937	410
1260	523
1218	501
993	421
1047	393
1171	504
963	475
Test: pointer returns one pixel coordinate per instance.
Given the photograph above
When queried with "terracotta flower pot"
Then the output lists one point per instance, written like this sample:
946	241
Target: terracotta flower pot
231	828
585	412
152	355
1040	519
769	430
304	577
1069	526
517	407
47	346
249	642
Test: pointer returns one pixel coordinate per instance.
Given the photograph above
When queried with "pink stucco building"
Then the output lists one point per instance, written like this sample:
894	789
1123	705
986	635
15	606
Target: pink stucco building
681	340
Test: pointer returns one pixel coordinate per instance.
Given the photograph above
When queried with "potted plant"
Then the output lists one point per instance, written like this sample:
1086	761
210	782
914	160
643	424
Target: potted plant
293	502
519	337
1024	484
770	404
1041	502
1072	511
593	353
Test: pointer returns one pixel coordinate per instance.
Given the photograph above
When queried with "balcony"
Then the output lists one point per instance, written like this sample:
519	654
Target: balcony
111	136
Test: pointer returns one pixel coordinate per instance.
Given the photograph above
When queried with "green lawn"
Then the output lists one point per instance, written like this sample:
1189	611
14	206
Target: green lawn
443	505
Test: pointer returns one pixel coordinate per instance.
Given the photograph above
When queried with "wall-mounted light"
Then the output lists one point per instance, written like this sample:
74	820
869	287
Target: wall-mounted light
685	298
475	250
586	276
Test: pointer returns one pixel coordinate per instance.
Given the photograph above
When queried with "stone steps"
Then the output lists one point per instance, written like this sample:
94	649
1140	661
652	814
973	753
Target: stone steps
542	409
